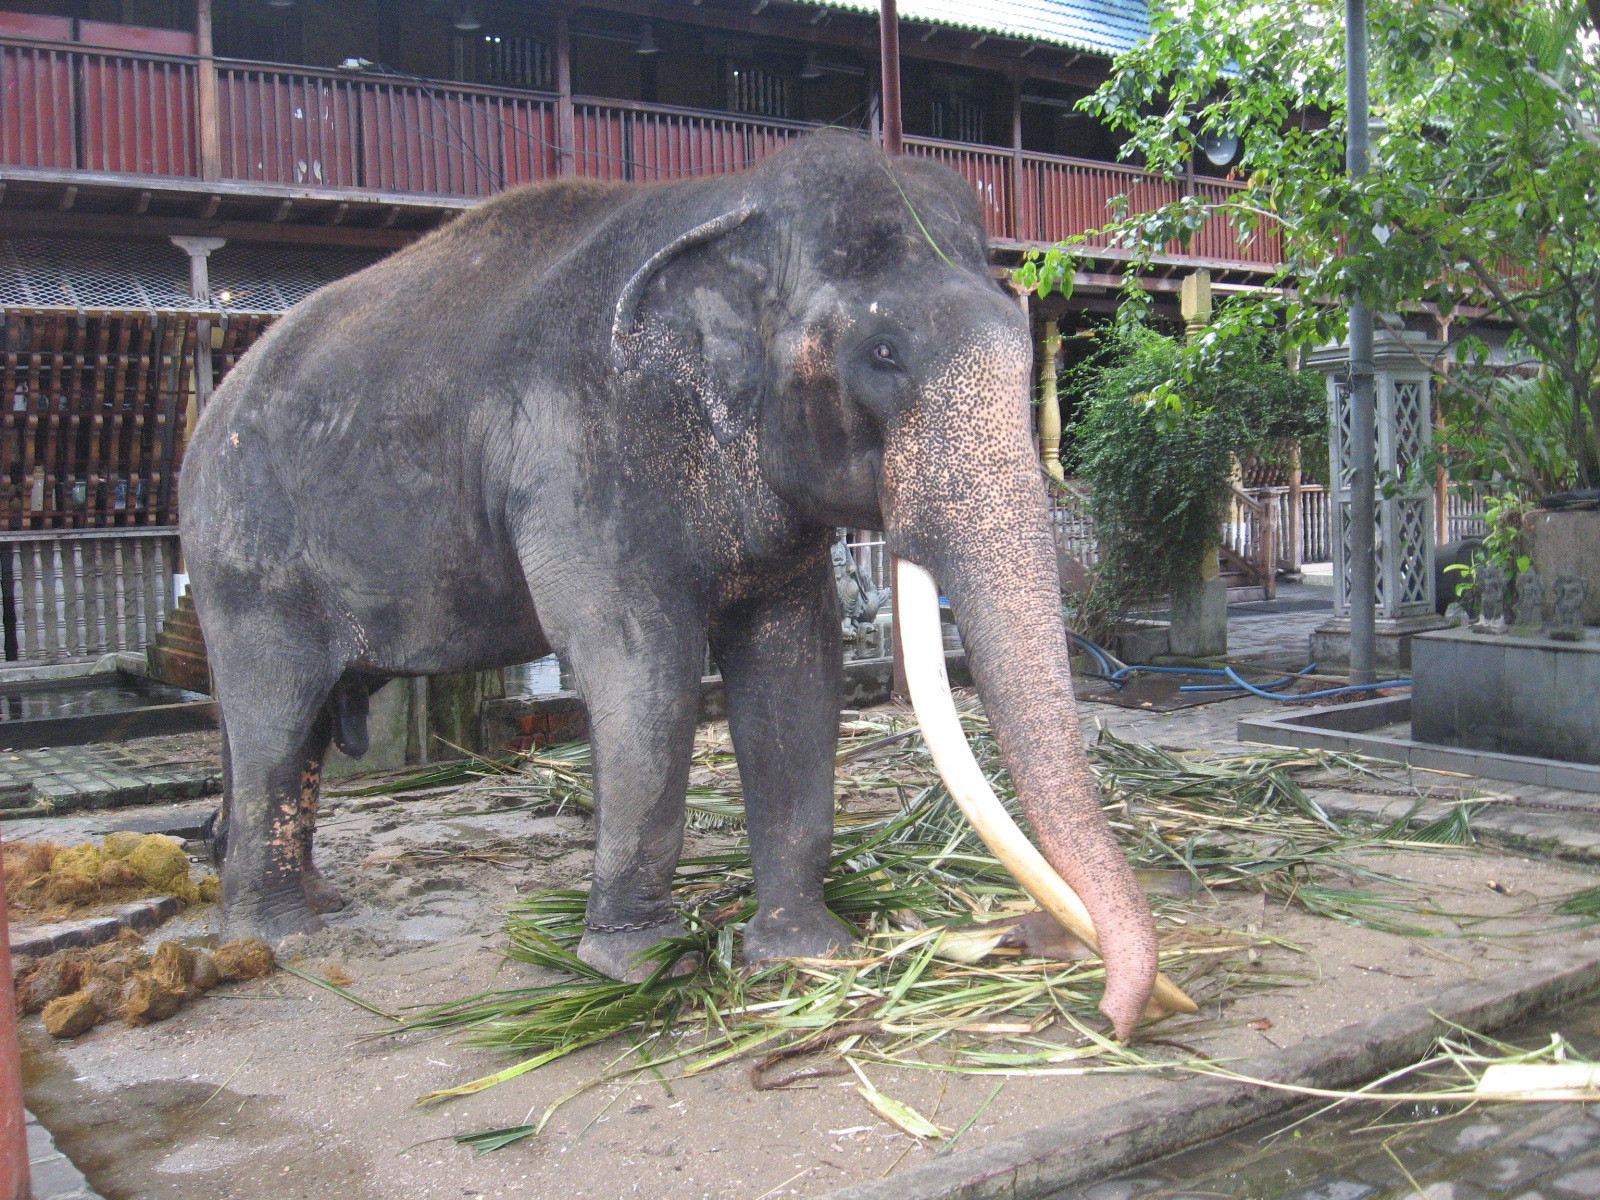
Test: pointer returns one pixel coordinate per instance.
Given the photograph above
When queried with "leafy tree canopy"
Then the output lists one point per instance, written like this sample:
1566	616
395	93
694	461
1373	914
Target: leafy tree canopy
1484	189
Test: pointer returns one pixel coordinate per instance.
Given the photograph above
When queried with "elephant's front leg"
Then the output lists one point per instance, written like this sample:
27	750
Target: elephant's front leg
642	685
782	664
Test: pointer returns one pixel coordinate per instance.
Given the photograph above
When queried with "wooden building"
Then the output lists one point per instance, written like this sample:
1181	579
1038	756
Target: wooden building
174	173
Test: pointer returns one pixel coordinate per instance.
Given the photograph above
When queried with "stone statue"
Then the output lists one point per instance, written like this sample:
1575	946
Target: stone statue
1490	584
1530	605
1567	595
860	600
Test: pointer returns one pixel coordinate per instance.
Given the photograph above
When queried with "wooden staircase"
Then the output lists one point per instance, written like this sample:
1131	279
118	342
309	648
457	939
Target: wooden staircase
179	654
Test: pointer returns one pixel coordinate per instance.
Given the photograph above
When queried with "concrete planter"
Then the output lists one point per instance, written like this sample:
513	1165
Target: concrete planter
1568	543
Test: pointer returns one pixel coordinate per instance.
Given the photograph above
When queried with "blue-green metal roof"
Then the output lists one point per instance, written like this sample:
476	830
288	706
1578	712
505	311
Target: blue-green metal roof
1100	26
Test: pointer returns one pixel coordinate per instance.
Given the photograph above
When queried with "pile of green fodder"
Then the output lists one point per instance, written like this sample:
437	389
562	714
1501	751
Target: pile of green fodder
933	980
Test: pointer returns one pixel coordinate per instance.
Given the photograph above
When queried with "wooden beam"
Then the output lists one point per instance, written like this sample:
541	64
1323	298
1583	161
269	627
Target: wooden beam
141	203
207	110
175	188
209	208
69	197
123	225
889	75
282	210
566	118
851	34
340	210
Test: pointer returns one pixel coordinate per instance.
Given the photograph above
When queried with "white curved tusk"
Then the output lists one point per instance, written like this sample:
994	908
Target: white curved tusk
923	643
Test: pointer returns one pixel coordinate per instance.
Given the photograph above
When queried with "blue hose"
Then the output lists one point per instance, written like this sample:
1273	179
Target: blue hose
1233	687
1338	691
1117	674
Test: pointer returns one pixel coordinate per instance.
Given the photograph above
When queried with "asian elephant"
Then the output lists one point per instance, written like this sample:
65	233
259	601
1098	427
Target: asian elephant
614	421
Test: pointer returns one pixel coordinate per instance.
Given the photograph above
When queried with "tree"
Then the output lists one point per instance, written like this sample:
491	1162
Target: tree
1484	192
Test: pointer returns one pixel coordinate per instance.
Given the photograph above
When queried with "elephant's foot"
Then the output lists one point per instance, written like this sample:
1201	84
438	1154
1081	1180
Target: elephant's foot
795	931
270	920
321	896
617	953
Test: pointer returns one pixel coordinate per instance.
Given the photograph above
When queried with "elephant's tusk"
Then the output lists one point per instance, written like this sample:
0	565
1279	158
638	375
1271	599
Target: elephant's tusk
947	742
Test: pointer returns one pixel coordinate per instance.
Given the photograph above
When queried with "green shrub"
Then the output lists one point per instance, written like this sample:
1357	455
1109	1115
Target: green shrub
1155	436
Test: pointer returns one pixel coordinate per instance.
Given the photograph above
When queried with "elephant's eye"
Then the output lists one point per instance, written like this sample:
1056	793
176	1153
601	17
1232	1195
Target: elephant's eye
883	355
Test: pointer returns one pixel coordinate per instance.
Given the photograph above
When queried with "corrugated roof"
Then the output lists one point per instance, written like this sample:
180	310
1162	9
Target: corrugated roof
1101	26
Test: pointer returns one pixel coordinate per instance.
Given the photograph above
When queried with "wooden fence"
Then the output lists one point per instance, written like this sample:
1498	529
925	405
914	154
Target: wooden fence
73	596
66	106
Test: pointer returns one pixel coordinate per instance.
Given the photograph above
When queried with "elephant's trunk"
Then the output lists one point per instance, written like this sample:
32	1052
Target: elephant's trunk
1010	620
962	496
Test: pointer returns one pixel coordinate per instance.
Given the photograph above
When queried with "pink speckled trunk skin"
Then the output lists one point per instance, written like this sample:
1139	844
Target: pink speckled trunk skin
985	536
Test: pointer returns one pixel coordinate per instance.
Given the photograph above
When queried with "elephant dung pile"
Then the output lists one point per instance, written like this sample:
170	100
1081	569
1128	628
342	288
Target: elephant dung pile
74	990
47	881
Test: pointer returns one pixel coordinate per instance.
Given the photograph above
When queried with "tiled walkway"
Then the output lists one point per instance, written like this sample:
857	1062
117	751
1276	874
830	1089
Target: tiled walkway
146	771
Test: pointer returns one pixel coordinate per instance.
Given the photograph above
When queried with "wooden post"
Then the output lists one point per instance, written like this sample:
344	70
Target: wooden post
1441	479
206	110
14	1184
199	251
1014	208
889	54
1050	404
1296	548
566	118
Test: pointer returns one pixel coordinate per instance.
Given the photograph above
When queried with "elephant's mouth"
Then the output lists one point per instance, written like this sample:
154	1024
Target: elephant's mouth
941	729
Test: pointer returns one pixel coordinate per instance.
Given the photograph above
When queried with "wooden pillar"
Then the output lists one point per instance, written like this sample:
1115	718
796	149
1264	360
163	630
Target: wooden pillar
1050	404
889	74
1296	547
206	110
14	1183
199	251
1441	479
566	118
1015	207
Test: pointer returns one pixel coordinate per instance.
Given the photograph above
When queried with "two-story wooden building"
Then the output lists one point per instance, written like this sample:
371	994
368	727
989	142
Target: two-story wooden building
174	173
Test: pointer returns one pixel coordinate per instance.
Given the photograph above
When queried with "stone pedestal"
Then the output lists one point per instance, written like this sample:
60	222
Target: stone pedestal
1567	543
1200	621
1330	644
1510	695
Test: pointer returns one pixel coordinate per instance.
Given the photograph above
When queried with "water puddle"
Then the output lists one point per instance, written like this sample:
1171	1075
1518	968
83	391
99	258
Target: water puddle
1406	1152
94	696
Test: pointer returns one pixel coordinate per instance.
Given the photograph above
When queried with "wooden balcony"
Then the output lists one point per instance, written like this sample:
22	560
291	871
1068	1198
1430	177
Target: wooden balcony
68	110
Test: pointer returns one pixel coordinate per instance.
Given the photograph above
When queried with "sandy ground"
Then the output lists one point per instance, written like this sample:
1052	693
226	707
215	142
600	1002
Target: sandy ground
278	1089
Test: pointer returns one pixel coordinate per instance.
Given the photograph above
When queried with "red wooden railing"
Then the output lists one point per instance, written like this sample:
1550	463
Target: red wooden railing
67	106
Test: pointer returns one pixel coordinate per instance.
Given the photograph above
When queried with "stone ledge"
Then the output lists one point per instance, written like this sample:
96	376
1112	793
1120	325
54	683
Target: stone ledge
1040	1162
39	940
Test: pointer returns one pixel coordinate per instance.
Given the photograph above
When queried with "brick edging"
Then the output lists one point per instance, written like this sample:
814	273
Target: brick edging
1042	1160
92	931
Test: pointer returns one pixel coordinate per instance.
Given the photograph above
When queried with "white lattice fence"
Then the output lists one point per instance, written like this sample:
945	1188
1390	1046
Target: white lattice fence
74	596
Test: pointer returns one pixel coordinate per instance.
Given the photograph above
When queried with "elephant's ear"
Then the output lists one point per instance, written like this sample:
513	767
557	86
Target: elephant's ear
696	317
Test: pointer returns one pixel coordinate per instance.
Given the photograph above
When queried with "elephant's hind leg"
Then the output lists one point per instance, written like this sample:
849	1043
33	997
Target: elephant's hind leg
277	733
321	896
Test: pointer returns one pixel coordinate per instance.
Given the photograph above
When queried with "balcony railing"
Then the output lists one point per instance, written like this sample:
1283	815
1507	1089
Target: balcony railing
68	107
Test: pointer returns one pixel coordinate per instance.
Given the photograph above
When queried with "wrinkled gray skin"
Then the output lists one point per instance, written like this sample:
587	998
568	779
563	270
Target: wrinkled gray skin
615	421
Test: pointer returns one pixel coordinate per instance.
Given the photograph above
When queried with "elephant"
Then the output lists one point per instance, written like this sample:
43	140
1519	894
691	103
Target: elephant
616	421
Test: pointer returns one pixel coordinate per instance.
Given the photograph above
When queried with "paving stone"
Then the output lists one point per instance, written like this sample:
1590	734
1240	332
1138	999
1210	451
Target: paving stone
1447	1189
1507	1170
1333	1189
1582	1182
54	1176
1565	1141
1123	1189
1456	1139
